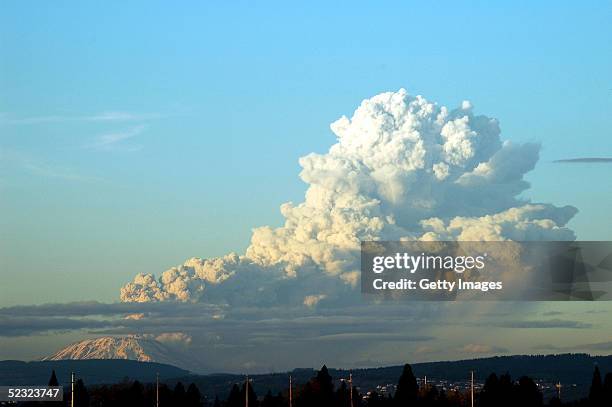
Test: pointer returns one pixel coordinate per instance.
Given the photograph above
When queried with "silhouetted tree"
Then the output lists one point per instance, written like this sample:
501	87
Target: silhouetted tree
503	392
53	379
306	396
326	386
179	396
166	396
193	396
378	400
268	400
407	389
342	395
234	399
81	396
135	395
356	397
252	395
458	398
506	391
429	396
217	402
596	391
607	389
490	392
527	393
443	400
273	401
318	391
497	391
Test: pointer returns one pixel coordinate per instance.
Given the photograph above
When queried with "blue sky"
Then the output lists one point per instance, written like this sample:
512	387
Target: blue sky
134	136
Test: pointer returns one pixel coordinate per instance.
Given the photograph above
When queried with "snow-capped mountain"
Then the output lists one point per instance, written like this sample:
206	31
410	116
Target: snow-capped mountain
134	347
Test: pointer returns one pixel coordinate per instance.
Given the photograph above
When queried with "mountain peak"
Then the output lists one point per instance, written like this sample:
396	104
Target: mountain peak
142	348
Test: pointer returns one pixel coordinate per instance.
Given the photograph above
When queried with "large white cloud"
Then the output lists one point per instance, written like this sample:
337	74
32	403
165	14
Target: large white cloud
402	168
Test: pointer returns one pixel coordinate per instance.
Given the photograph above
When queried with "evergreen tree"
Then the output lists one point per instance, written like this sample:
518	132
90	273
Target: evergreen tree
135	395
429	396
490	392
607	389
443	400
596	391
149	395
318	391
307	395
527	393
81	396
506	389
234	399
53	379
407	389
252	395
326	386
179	395
166	395
356	397
342	395
377	400
193	397
273	401
268	400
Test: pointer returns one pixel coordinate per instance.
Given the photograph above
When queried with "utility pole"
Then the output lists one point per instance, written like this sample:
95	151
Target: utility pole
72	389
246	392
351	388
157	390
472	388
290	392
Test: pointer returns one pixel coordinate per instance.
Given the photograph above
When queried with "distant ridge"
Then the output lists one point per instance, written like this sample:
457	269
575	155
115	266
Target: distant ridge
13	372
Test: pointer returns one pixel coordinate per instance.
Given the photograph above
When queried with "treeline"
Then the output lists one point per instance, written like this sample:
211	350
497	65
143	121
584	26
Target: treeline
320	391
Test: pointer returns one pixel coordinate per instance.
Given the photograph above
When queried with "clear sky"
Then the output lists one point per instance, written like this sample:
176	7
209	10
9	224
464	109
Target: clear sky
134	135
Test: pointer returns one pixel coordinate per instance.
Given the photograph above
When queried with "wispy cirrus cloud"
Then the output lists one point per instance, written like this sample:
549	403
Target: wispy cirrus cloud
41	168
116	140
543	324
109	116
591	160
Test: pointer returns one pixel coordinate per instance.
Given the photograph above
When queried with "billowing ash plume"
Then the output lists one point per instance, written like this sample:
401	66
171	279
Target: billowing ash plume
402	168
